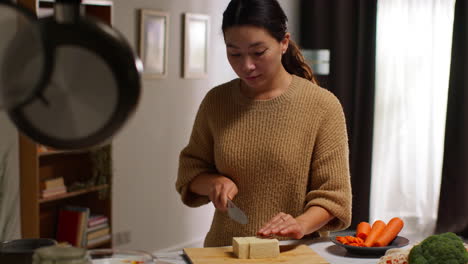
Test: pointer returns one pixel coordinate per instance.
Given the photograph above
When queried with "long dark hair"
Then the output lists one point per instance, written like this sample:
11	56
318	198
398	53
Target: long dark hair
269	15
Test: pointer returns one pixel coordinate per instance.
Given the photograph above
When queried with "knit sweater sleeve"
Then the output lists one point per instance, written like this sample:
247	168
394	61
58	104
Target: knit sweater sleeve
196	158
329	183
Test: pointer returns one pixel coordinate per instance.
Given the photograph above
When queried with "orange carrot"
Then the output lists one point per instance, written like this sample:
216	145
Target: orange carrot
350	240
363	230
341	239
377	228
392	229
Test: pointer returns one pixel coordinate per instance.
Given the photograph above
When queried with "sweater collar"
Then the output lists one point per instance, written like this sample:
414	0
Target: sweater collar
283	98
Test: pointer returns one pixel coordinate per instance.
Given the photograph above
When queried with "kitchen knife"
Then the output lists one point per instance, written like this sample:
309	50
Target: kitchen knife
236	214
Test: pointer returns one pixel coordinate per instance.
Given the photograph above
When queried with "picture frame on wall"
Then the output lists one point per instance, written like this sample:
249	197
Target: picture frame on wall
196	45
154	35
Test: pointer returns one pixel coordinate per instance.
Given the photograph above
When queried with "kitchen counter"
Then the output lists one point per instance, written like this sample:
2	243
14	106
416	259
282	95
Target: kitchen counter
323	246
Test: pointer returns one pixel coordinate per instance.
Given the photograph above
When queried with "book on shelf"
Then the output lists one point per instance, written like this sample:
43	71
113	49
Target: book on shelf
72	225
98	230
53	183
54	192
53	187
85	212
95	220
97	227
99	240
98	233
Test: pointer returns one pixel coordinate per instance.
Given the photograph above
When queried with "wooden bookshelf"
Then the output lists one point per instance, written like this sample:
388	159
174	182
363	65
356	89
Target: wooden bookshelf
61	152
39	215
75	193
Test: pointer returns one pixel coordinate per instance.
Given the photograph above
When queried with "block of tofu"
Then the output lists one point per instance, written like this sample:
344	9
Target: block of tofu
240	246
263	248
255	248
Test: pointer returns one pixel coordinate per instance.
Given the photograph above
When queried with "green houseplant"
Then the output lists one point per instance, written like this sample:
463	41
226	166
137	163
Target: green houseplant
101	172
102	168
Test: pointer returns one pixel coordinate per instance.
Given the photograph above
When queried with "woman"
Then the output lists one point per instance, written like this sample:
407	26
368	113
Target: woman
272	141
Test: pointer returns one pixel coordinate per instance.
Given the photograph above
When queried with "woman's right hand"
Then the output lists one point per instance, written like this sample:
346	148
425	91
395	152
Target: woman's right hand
217	187
222	189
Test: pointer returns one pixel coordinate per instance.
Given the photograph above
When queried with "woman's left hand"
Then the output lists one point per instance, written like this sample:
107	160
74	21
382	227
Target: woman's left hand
284	225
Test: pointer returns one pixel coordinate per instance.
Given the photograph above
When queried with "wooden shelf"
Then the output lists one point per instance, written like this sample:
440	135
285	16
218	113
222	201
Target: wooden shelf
61	152
74	193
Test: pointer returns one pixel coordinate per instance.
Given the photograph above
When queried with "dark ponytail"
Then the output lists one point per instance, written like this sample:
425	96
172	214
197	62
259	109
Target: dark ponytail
269	15
294	63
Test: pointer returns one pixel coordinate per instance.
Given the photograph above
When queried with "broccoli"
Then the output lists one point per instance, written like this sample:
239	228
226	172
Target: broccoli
446	248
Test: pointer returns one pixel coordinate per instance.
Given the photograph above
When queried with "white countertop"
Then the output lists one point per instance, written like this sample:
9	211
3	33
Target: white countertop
323	246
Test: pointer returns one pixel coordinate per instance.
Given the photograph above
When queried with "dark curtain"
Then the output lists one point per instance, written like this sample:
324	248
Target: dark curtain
348	29
453	203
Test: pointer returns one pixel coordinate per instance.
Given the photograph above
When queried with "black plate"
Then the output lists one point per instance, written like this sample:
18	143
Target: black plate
399	241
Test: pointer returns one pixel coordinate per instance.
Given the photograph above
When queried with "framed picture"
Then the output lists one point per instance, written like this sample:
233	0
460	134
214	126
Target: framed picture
154	42
196	34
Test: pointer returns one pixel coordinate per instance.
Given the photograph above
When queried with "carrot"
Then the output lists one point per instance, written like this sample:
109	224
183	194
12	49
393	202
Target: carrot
341	239
363	230
350	240
377	228
389	233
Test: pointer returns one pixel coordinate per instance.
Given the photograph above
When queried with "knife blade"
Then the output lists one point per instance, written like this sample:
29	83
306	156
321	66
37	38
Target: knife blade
236	214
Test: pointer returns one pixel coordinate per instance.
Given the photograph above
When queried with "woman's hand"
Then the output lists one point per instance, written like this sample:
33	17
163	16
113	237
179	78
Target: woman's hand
283	225
221	190
217	187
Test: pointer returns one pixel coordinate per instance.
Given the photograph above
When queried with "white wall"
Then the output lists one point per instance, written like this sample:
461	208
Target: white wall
146	151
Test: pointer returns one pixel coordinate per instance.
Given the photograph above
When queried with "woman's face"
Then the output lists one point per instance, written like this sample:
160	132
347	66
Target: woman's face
254	54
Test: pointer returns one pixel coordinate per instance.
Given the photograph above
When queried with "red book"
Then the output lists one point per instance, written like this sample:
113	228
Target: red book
68	227
97	220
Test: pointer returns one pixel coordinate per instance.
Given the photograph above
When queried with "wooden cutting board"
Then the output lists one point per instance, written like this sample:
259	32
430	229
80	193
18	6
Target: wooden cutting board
294	254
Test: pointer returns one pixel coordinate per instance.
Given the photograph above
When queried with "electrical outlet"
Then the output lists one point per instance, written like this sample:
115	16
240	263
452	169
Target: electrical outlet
126	237
122	238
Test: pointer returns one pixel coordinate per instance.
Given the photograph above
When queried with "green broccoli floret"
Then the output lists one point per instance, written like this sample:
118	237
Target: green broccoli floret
446	248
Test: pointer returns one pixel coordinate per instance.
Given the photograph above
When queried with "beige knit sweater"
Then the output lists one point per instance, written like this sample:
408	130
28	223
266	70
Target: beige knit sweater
285	155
